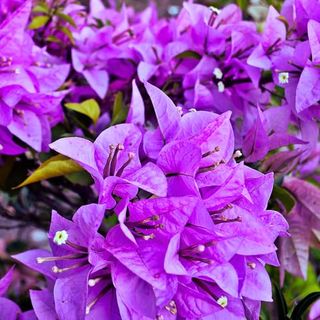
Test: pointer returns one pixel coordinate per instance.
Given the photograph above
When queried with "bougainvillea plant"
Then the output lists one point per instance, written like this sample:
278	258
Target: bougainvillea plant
159	162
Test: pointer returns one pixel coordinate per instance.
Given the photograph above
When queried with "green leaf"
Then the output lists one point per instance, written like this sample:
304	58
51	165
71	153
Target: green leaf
68	33
284	196
38	22
119	113
242	4
82	178
41	8
296	288
303	305
281	302
90	108
66	18
56	166
189	54
53	39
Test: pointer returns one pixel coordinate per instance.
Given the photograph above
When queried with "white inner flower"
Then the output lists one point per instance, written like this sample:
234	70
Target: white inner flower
61	237
223	301
218	73
283	77
220	86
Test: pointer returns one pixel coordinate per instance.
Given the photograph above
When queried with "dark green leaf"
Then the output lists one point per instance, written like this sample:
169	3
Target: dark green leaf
281	302
242	4
303	305
67	32
41	8
189	54
53	39
66	18
119	110
82	178
284	196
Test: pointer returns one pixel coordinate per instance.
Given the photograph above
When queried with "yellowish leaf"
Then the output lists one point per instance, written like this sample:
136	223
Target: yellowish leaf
56	166
90	108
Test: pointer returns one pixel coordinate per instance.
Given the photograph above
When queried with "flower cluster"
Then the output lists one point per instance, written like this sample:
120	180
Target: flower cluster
191	233
30	77
212	60
188	125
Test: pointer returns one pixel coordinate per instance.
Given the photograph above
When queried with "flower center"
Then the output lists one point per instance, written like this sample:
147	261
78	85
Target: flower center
172	307
283	77
60	237
193	252
218	73
110	167
147	224
223	301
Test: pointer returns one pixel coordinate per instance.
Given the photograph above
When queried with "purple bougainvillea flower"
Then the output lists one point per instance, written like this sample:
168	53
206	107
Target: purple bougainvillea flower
9	309
5	281
113	161
30	107
314	311
30	116
74	246
304	222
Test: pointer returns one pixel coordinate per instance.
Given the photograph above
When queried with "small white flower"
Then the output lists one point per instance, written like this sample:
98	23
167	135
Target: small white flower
283	77
218	73
220	86
223	301
61	237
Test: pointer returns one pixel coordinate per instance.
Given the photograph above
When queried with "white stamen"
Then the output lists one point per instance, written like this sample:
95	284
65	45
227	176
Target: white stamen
283	77
192	110
40	260
180	110
214	9
148	237
201	248
223	301
218	73
55	269
220	86
88	310
237	154
17	71
93	282
251	265
61	237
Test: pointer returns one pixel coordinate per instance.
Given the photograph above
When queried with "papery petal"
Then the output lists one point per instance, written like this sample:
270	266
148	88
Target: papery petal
43	304
166	112
70	295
